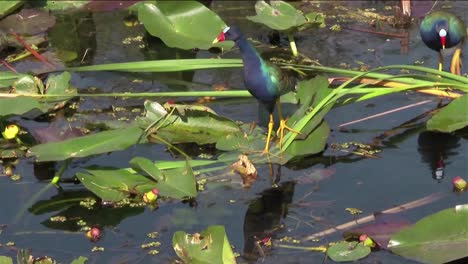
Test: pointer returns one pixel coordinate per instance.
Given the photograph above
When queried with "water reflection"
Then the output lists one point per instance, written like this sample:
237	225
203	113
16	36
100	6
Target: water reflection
264	216
435	149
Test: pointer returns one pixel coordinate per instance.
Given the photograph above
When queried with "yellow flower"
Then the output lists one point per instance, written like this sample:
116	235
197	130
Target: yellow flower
10	131
150	196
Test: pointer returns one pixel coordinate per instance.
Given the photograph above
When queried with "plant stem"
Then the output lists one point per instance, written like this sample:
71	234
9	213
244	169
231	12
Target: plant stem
292	43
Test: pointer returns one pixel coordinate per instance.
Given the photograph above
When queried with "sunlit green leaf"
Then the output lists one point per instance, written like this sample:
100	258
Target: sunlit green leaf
182	24
437	238
93	144
280	15
452	117
6	7
348	251
210	246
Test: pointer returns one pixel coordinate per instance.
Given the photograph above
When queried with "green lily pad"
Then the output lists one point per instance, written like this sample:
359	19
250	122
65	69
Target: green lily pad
452	117
282	16
437	238
93	144
348	251
210	246
182	24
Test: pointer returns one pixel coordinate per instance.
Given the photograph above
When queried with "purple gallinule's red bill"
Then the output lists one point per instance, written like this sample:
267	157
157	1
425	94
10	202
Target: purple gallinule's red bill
443	31
265	81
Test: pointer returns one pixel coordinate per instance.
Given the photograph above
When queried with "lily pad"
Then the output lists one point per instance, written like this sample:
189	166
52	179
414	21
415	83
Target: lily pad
209	246
348	251
452	117
182	24
438	238
282	16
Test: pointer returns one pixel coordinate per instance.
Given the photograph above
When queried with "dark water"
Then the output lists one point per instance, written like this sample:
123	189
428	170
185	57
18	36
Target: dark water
301	205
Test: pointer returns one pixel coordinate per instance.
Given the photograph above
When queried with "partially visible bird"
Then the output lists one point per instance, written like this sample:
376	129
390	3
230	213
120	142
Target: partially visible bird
265	81
443	31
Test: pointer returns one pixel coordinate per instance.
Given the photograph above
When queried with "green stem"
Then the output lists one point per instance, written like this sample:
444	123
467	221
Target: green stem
240	93
292	43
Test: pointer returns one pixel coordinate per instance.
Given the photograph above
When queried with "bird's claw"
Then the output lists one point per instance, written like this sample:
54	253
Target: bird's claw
280	131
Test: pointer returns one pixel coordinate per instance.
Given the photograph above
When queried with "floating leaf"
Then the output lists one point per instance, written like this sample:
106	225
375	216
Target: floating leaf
182	24
452	117
437	238
186	124
348	251
93	144
210	246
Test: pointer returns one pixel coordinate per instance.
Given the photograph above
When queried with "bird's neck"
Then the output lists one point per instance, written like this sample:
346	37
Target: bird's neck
250	56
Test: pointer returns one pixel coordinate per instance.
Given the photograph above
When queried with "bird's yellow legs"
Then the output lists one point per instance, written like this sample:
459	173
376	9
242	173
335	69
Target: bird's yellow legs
280	131
441	59
270	128
456	62
282	125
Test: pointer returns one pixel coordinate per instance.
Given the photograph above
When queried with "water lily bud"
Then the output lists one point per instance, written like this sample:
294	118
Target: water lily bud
93	234
459	183
150	196
10	131
366	241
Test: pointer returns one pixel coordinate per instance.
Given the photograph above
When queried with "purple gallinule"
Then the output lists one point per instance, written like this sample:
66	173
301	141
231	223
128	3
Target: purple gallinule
265	81
440	31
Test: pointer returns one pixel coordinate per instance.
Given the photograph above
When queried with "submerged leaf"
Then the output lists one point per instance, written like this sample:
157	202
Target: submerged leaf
437	238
